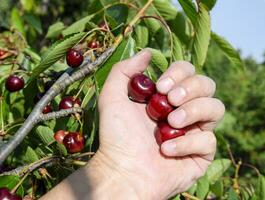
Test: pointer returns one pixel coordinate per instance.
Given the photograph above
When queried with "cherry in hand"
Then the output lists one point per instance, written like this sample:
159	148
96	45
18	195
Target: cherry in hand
69	102
74	58
158	107
166	132
14	83
74	142
5	194
141	88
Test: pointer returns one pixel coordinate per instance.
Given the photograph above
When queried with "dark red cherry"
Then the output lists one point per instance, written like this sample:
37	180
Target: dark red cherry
47	109
93	44
5	194
158	107
74	142
166	132
14	83
141	88
59	136
74	58
69	102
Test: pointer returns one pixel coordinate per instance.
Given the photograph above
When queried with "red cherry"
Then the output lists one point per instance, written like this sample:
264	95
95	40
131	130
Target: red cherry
74	142
47	109
59	136
14	83
93	44
158	107
69	102
141	88
2	52
5	194
74	58
165	132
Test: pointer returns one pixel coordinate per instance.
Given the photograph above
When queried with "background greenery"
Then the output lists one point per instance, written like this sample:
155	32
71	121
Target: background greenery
29	24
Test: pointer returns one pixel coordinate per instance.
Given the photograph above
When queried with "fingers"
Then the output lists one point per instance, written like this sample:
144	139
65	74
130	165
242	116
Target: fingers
177	72
190	88
199	143
116	84
209	111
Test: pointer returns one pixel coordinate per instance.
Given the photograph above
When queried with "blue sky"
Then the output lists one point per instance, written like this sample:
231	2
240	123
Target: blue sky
242	22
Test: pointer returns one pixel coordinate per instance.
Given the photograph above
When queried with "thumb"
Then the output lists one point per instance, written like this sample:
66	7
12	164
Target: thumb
115	87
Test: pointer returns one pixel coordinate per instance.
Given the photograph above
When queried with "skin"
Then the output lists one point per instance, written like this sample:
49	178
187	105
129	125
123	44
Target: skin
129	164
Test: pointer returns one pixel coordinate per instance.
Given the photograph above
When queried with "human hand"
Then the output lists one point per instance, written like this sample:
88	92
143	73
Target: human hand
127	143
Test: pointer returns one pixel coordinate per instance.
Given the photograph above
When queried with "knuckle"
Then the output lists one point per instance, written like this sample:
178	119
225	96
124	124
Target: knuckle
185	65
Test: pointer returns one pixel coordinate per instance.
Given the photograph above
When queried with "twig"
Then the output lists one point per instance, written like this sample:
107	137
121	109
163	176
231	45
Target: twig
58	114
187	195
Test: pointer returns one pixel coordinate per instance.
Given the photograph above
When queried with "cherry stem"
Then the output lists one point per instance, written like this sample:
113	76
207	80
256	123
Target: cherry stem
189	196
13	191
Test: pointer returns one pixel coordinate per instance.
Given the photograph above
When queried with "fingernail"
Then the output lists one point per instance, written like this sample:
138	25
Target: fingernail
177	95
169	147
178	117
164	85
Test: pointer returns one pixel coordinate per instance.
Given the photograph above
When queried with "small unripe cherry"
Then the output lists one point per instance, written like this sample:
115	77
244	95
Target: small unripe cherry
141	88
166	132
93	44
74	142
69	102
158	107
14	83
74	58
59	136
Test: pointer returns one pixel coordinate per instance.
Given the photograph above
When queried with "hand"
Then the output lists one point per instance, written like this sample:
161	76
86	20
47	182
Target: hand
127	142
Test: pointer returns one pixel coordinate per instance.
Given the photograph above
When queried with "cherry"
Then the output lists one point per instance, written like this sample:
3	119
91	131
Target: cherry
69	102
158	107
59	136
5	194
74	58
141	88
74	142
93	44
103	26
2	52
14	83
166	132
46	109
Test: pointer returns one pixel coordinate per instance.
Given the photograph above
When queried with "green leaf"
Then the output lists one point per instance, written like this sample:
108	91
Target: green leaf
177	49
202	37
141	36
231	53
55	30
218	188
30	155
118	12
78	26
152	25
33	21
56	52
28	5
45	134
209	3
190	10
193	189
125	50
16	21
260	192
232	194
159	60
203	185
10	182
165	9
217	168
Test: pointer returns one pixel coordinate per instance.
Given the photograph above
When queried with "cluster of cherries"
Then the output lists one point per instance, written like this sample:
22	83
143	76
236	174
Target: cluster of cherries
142	89
5	194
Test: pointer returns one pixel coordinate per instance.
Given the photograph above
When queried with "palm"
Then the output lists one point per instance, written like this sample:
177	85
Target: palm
130	137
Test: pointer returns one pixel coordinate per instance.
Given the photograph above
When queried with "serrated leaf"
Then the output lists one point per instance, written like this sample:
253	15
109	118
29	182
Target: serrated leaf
165	9
203	185
152	25
218	188
190	10
231	53
45	134
55	30
217	168
209	3
158	59
56	52
260	192
141	36
232	194
78	26
202	37
125	50
33	21
177	49
118	12
30	155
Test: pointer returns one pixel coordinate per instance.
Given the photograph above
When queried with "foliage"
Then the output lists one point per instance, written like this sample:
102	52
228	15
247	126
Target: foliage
36	41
